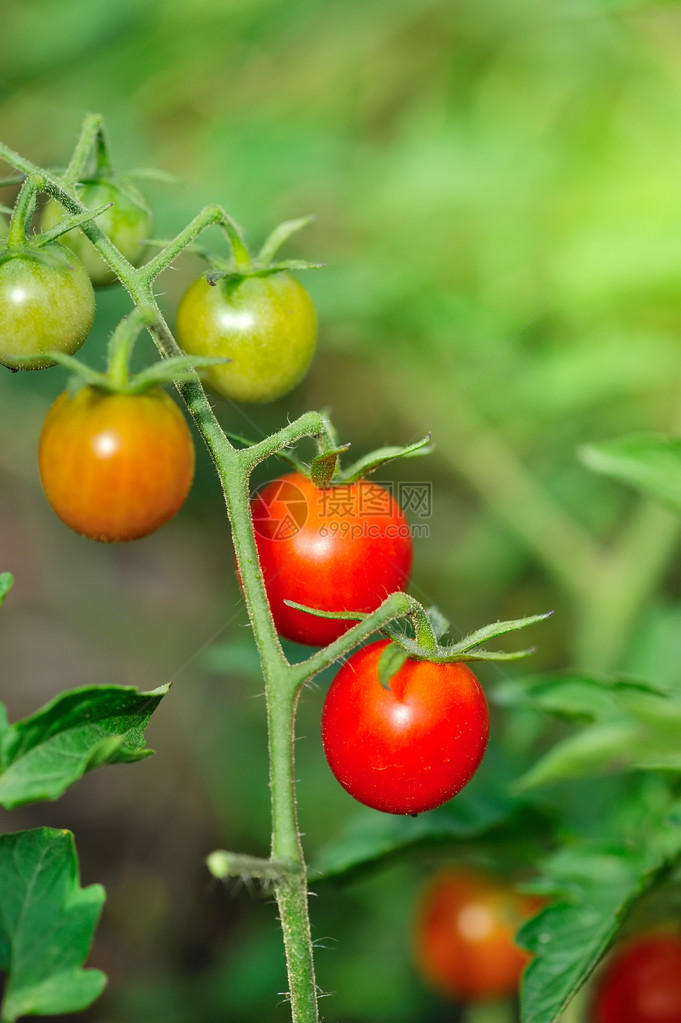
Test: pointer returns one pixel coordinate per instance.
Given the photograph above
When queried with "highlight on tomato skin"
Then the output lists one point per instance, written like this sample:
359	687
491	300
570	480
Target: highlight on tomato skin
115	467
409	747
641	981
463	935
345	548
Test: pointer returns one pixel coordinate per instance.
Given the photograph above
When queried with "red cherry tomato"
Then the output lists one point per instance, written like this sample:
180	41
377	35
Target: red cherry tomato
115	467
464	935
642	982
341	549
409	747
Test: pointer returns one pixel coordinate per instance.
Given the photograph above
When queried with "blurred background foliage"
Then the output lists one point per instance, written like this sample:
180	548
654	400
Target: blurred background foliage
496	187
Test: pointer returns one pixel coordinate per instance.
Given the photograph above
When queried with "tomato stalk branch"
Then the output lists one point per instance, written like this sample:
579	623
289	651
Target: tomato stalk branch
92	132
283	681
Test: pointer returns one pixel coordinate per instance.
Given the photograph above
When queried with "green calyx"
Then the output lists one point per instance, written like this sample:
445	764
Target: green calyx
263	264
428	626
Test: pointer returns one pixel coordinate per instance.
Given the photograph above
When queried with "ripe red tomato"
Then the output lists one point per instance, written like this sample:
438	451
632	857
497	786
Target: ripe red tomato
463	934
267	326
341	549
409	747
115	467
642	982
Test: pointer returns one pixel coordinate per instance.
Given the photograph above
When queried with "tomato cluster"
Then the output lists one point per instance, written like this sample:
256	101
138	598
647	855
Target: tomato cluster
116	462
403	748
464	934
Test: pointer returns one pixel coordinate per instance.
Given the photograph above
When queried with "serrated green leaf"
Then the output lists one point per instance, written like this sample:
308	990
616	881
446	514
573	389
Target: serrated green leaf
42	755
570	936
46	926
6	583
648	462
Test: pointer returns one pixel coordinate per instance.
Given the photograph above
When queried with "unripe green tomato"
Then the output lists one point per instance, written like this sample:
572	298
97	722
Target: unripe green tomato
266	325
127	223
46	304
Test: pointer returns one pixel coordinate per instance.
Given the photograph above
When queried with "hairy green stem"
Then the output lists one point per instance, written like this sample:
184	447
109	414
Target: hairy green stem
209	215
91	132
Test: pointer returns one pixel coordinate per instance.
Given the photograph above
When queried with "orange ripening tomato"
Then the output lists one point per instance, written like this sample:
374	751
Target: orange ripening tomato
464	935
115	467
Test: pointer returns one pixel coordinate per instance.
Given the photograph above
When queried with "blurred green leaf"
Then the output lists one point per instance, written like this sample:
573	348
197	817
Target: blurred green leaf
370	838
42	755
633	725
573	695
647	462
46	925
594	890
6	583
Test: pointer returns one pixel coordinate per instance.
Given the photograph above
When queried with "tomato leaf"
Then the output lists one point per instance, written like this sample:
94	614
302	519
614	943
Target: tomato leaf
370	838
632	725
6	583
594	890
572	695
46	925
391	660
484	814
42	755
648	462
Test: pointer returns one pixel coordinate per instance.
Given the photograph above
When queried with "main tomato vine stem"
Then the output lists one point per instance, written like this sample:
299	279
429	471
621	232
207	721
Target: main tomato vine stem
286	869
